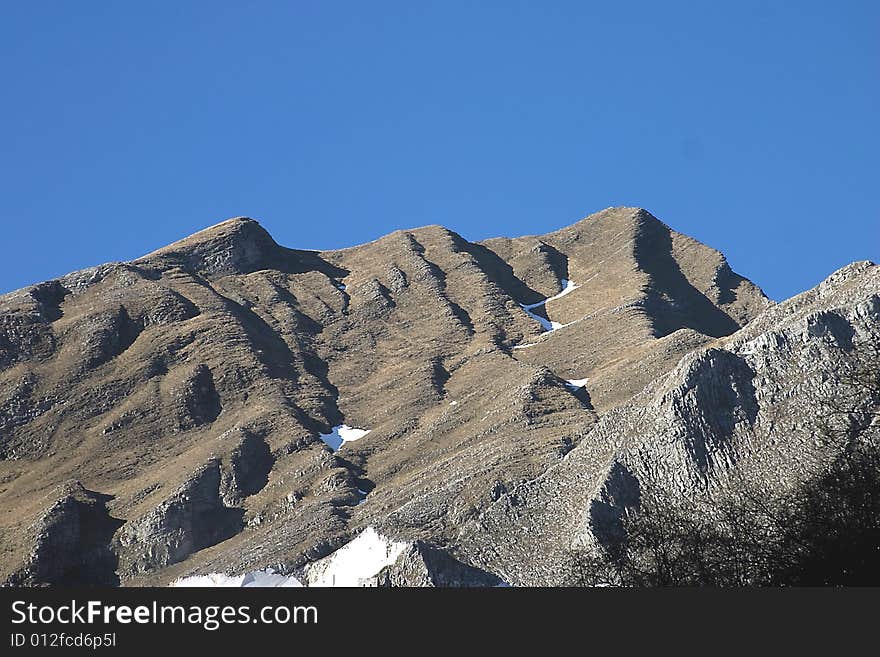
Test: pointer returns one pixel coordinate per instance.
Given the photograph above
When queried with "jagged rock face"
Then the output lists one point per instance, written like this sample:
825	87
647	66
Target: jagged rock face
424	565
195	383
739	413
71	542
193	518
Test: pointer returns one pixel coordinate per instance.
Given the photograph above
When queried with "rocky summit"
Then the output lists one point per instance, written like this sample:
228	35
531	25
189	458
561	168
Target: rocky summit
418	410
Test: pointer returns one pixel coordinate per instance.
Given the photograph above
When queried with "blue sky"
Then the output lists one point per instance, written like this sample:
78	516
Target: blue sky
751	126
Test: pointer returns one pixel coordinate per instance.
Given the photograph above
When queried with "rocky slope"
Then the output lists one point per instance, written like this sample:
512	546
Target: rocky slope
737	413
163	418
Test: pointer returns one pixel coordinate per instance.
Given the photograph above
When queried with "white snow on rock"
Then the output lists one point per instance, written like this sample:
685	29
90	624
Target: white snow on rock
453	403
354	564
576	384
341	434
261	578
567	286
547	324
357	561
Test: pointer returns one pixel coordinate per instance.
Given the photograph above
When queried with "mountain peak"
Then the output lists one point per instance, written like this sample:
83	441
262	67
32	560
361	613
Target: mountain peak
234	246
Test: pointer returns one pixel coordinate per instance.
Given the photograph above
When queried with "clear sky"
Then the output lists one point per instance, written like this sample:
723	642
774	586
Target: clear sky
752	126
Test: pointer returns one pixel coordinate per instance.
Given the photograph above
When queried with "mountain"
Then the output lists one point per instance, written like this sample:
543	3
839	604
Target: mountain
226	405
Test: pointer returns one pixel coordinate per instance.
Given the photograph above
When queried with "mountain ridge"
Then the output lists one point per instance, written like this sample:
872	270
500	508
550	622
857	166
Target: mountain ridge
197	382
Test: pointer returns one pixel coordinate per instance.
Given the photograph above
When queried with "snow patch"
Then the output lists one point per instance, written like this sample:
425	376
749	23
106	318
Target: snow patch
341	434
354	564
357	561
547	324
260	578
567	286
453	403
576	384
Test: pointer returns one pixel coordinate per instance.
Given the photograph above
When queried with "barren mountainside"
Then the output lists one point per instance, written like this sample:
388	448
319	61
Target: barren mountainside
195	411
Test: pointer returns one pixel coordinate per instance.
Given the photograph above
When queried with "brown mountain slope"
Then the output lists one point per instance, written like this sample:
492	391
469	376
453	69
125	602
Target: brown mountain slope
186	390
